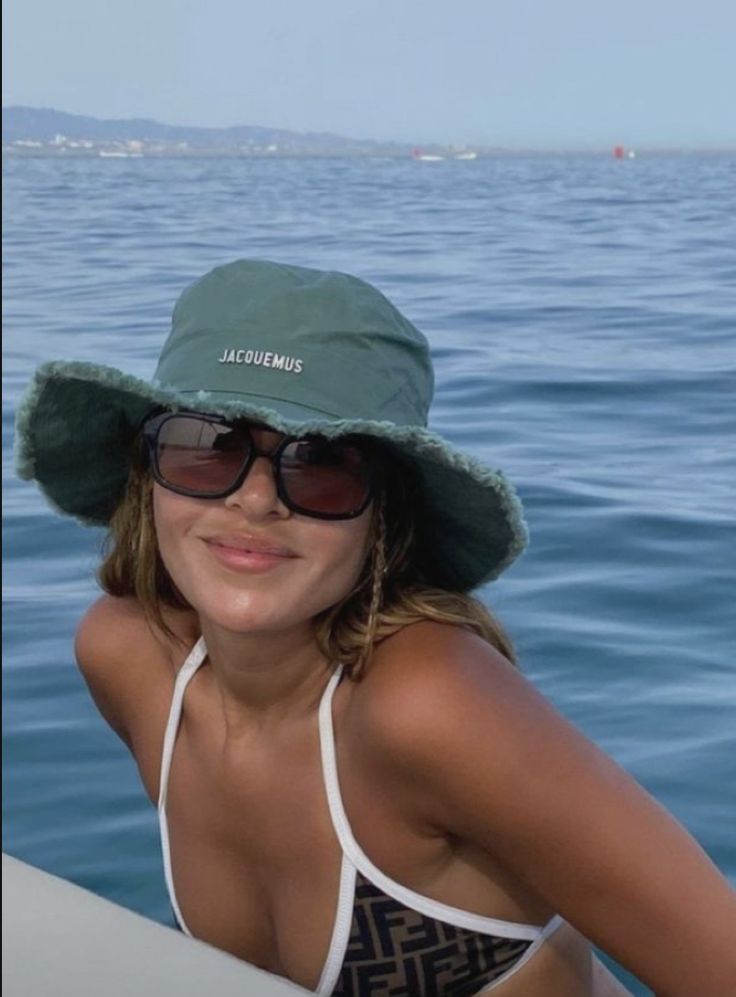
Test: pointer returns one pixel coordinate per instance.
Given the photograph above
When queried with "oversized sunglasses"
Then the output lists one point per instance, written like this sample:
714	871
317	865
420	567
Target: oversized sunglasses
207	456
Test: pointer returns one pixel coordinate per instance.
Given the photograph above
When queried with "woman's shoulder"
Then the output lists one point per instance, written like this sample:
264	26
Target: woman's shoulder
428	667
124	660
436	699
434	684
116	626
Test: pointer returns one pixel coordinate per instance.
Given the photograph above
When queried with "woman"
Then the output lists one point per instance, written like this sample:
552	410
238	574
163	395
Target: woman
357	789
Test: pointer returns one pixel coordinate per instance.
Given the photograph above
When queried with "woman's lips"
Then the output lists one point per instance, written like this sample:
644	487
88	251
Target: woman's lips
248	553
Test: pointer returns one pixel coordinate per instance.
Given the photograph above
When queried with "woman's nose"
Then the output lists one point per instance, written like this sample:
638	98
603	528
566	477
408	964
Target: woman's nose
258	496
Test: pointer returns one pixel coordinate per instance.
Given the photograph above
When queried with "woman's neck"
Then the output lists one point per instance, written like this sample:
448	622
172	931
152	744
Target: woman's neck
265	678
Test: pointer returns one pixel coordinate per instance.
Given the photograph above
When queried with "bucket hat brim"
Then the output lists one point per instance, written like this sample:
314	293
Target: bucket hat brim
78	422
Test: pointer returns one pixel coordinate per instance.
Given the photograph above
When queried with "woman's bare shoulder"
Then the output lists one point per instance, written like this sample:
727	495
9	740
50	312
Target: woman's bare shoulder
442	651
123	659
435	686
111	622
427	668
116	628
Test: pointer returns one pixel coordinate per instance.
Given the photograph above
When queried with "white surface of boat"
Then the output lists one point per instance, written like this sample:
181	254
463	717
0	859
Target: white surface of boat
61	940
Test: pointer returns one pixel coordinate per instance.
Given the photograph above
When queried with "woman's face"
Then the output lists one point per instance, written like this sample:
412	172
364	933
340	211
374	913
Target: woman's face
246	563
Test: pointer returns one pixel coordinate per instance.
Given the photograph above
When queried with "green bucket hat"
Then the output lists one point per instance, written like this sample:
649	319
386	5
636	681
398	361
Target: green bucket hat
300	350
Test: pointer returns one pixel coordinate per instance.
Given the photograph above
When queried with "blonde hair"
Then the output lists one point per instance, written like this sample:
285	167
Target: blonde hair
389	594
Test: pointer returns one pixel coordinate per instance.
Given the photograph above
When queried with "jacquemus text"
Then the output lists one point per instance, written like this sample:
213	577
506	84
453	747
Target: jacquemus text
261	358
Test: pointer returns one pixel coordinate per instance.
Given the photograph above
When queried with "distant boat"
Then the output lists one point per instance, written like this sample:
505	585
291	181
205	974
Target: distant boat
434	157
120	155
426	157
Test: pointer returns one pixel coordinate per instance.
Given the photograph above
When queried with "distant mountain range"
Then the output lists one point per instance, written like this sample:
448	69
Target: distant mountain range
47	131
44	131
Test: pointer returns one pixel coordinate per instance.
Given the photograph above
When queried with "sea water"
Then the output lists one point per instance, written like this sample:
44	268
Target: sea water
582	317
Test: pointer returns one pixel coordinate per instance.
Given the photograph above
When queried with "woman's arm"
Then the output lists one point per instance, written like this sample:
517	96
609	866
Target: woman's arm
497	766
107	646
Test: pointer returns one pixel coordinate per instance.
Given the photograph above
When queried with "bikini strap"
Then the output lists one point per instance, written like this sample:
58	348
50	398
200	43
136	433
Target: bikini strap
354	854
194	660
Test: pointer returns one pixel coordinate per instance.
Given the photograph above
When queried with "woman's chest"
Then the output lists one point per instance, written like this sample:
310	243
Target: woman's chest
253	857
254	839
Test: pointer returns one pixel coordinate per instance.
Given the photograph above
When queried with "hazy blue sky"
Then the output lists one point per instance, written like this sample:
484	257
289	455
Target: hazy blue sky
505	72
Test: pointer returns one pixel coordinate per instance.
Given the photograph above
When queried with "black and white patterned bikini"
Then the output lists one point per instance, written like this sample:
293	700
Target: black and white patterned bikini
386	939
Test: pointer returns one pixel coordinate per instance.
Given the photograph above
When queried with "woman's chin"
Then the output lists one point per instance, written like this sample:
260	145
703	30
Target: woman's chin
254	616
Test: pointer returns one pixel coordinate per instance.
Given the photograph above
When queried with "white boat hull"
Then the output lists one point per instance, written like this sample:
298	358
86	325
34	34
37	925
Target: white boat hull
61	940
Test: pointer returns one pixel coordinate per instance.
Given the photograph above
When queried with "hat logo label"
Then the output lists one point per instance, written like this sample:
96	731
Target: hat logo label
262	358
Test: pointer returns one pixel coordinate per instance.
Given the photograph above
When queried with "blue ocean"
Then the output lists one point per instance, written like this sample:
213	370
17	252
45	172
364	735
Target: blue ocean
582	316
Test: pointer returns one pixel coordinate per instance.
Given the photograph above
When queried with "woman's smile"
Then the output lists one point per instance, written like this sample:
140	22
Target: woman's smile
242	552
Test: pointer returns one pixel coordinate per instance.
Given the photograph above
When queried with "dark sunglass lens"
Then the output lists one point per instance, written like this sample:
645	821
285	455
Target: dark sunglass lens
200	456
326	477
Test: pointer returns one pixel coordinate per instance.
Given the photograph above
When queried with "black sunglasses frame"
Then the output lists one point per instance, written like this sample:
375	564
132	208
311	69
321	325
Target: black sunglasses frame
152	425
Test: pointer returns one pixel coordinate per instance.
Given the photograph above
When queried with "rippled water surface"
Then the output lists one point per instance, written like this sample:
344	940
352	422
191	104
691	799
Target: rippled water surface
582	318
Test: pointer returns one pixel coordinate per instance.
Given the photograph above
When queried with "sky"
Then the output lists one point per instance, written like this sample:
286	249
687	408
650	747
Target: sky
509	73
